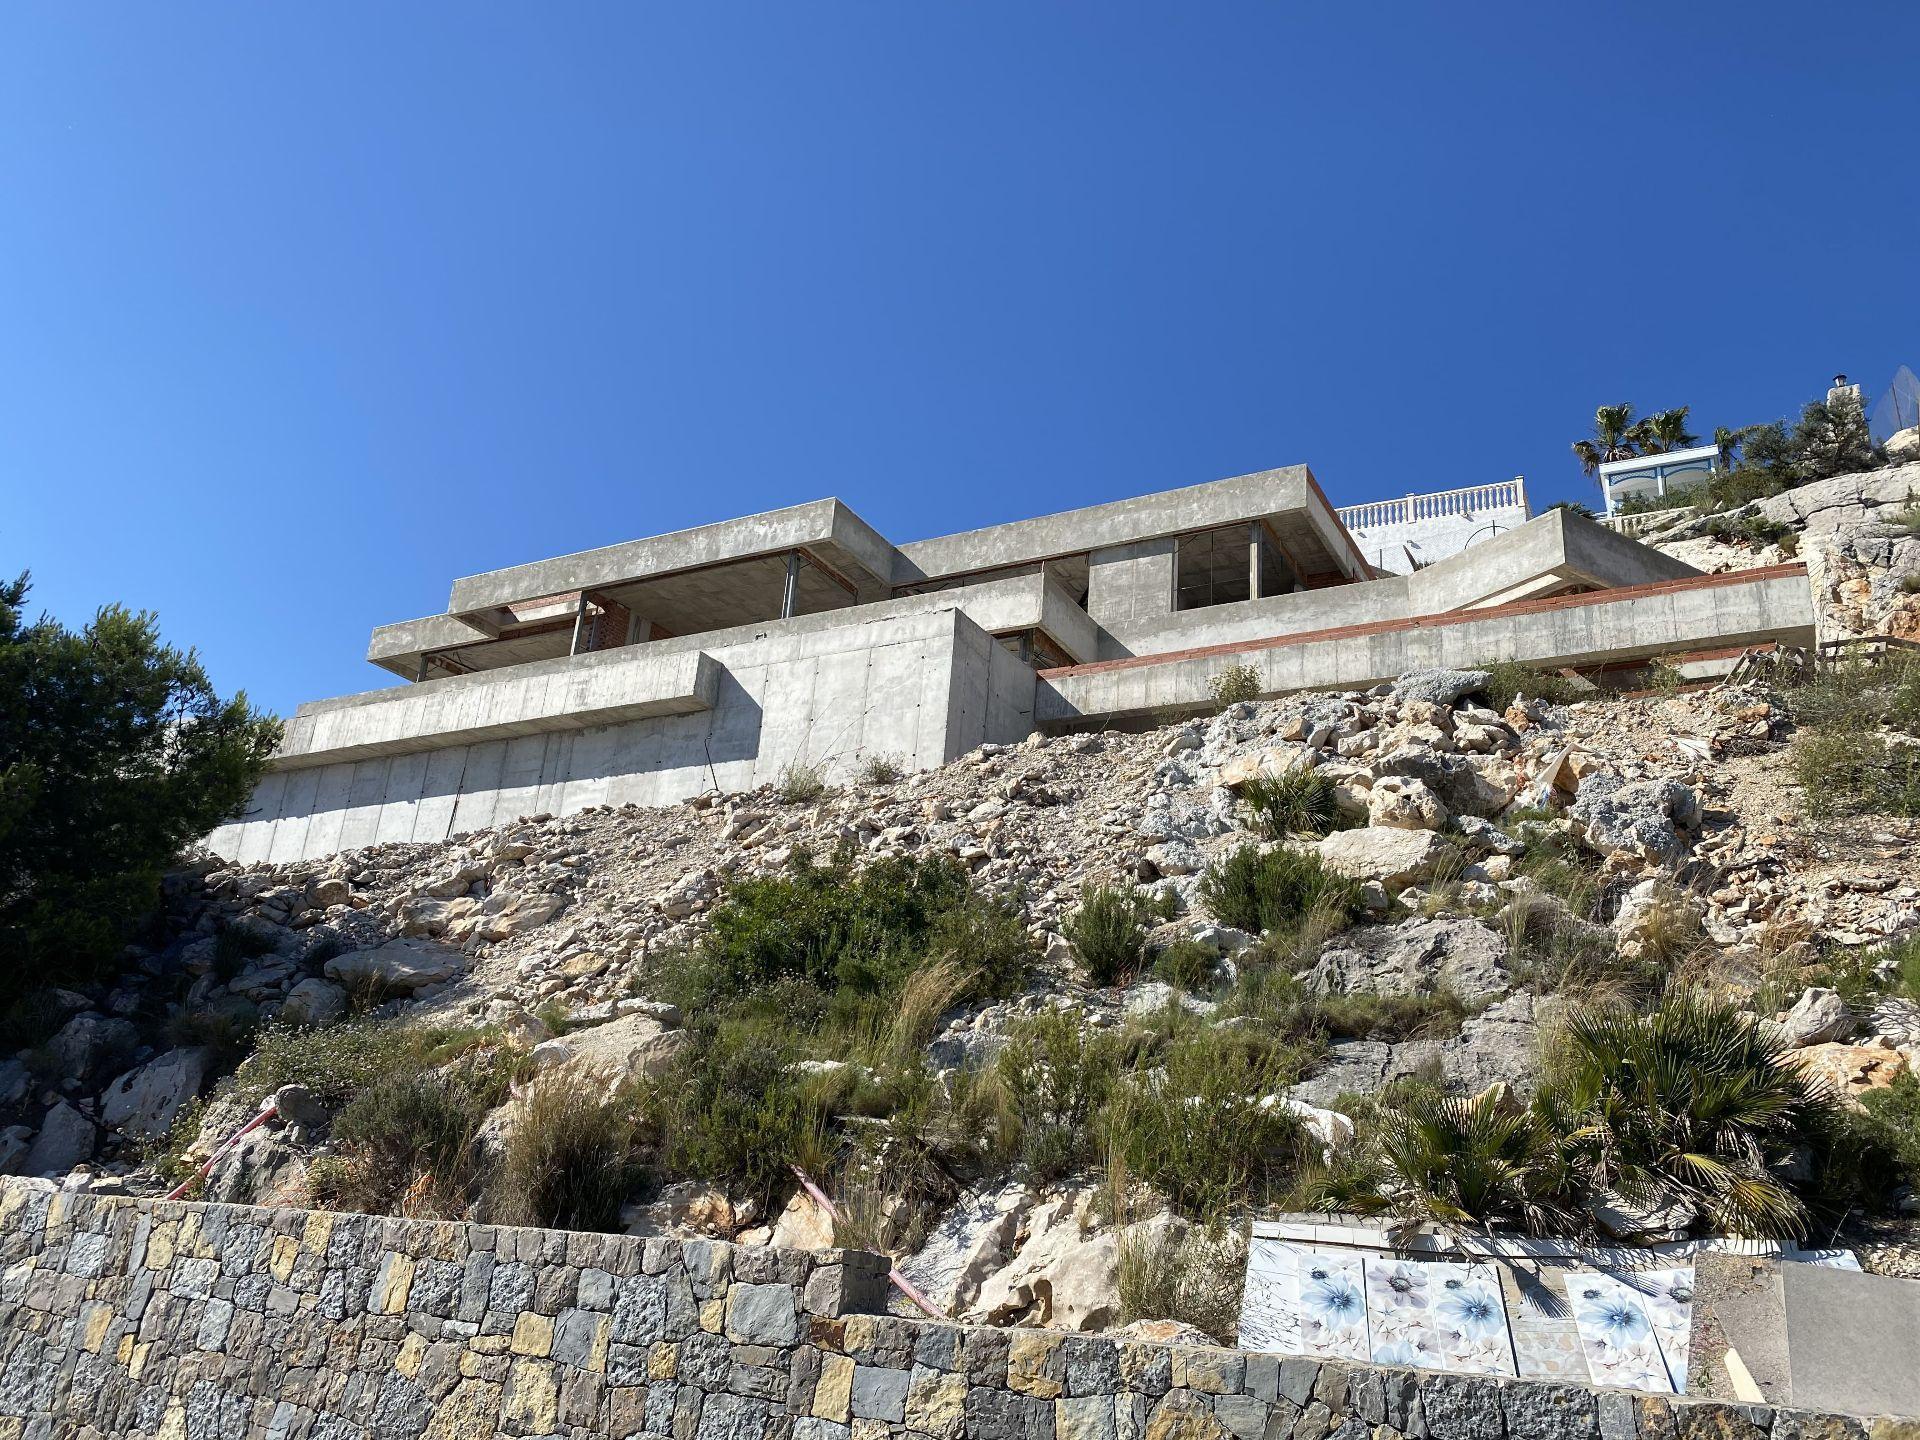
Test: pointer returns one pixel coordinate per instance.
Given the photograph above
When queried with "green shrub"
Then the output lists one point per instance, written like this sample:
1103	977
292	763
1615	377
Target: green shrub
1167	1272
1197	1132
1109	933
1892	1127
800	784
407	1140
1510	679
1855	773
1434	1015
1187	965
1487	1162
880	770
1751	528
839	929
1235	685
1260	892
1058	1075
1296	802
730	1111
570	1161
335	1062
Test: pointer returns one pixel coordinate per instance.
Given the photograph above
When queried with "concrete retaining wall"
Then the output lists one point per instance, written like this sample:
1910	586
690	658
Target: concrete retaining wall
123	1318
922	688
1743	608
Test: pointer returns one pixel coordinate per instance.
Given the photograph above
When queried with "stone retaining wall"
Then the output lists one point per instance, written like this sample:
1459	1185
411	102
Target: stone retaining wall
225	1322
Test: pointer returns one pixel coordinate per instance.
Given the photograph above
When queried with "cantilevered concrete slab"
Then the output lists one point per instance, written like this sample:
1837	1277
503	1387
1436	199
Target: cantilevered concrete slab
844	546
574	693
1289	499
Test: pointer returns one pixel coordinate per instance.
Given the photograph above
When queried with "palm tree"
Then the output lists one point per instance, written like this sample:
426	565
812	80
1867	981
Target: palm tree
1615	437
1692	1105
1668	431
1485	1162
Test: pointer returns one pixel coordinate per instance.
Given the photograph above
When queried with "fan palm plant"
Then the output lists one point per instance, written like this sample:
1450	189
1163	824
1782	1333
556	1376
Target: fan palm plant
1667	431
1485	1161
1692	1104
1616	436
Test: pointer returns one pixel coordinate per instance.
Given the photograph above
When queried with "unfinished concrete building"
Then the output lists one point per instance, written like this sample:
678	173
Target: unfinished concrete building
712	659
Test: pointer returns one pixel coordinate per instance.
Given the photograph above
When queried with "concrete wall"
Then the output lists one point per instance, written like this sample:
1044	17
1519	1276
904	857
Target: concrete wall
123	1319
923	689
1704	612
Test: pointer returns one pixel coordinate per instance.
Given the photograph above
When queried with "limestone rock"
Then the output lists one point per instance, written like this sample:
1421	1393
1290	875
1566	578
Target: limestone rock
1465	784
144	1102
89	1044
634	1044
314	1002
967	1245
1818	1017
1646	819
1396	858
1439	687
803	1225
1850	1070
1402	803
66	1139
400	965
1415	957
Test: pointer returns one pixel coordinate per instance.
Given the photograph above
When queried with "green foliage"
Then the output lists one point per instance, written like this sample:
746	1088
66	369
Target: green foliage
730	1111
1854	773
1167	1272
1058	1075
1690	1102
859	932
1833	438
1295	802
880	770
1261	892
407	1139
1510	679
800	784
1235	685
1109	933
570	1161
115	752
1197	1132
1751	528
1892	1127
1485	1161
1187	965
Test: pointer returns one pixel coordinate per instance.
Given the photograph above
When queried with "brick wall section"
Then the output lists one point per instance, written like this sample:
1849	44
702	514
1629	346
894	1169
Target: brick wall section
122	1318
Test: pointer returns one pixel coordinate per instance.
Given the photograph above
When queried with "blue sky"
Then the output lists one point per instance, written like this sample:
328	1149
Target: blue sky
306	310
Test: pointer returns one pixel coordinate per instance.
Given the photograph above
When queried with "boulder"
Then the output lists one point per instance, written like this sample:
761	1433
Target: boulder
1396	858
1646	819
1399	802
297	1105
629	1045
314	1002
399	965
1850	1070
803	1225
1818	1017
89	1043
1066	1273
1415	957
144	1102
66	1139
1439	687
687	1210
1654	916
329	891
1466	784
505	914
967	1245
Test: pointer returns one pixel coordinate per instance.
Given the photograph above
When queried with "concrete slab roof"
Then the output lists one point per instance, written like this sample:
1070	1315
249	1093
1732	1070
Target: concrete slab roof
1289	499
833	535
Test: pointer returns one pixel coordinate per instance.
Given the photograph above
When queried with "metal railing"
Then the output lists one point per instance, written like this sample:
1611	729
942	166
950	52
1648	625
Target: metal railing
1440	505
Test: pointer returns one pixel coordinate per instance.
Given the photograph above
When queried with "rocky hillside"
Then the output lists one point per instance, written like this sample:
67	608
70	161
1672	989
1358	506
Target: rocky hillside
1260	926
1858	534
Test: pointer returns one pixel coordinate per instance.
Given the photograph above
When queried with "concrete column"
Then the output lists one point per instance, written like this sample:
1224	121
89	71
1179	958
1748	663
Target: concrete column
790	597
1253	560
579	625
